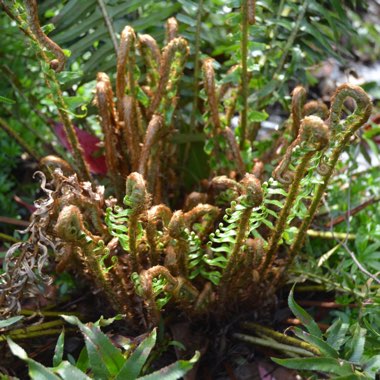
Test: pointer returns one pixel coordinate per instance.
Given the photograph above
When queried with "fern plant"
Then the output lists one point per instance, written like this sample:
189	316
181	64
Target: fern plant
232	242
101	359
341	348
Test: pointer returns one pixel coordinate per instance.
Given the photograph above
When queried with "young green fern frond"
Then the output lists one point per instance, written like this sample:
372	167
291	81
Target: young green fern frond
125	224
151	54
172	63
341	133
313	136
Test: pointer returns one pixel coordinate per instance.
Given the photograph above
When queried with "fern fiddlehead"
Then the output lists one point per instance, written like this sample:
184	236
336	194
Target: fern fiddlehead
341	134
34	24
313	136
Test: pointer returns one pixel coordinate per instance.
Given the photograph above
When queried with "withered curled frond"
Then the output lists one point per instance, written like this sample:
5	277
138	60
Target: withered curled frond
53	162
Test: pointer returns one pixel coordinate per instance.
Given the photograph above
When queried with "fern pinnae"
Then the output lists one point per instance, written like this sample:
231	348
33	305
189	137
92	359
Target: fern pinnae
176	230
151	55
251	197
156	214
313	136
341	135
70	227
173	56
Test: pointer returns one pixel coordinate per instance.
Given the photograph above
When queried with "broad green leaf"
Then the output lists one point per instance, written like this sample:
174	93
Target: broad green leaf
136	361
329	365
17	350
357	343
58	351
303	316
36	370
10	321
104	358
69	372
82	362
323	346
336	334
174	371
372	366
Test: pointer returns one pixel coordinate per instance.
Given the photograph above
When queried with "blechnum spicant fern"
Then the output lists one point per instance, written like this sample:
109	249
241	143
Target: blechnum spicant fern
213	254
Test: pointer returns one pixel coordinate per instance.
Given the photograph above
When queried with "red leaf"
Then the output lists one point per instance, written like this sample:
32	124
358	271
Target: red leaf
90	145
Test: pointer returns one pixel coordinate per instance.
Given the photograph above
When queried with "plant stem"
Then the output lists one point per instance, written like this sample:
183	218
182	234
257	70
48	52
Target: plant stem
108	22
282	338
332	235
244	72
53	83
281	221
329	283
271	343
9	238
14	221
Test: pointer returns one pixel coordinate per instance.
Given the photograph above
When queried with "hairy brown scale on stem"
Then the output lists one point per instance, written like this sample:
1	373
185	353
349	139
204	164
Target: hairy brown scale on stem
340	136
136	196
193	199
154	132
251	11
224	182
155	215
34	24
131	132
199	211
146	280
171	29
313	136
138	200
360	115
125	59
70	227
168	58
252	196
103	77
298	102
110	136
176	230
209	84
230	137
316	108
152	56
